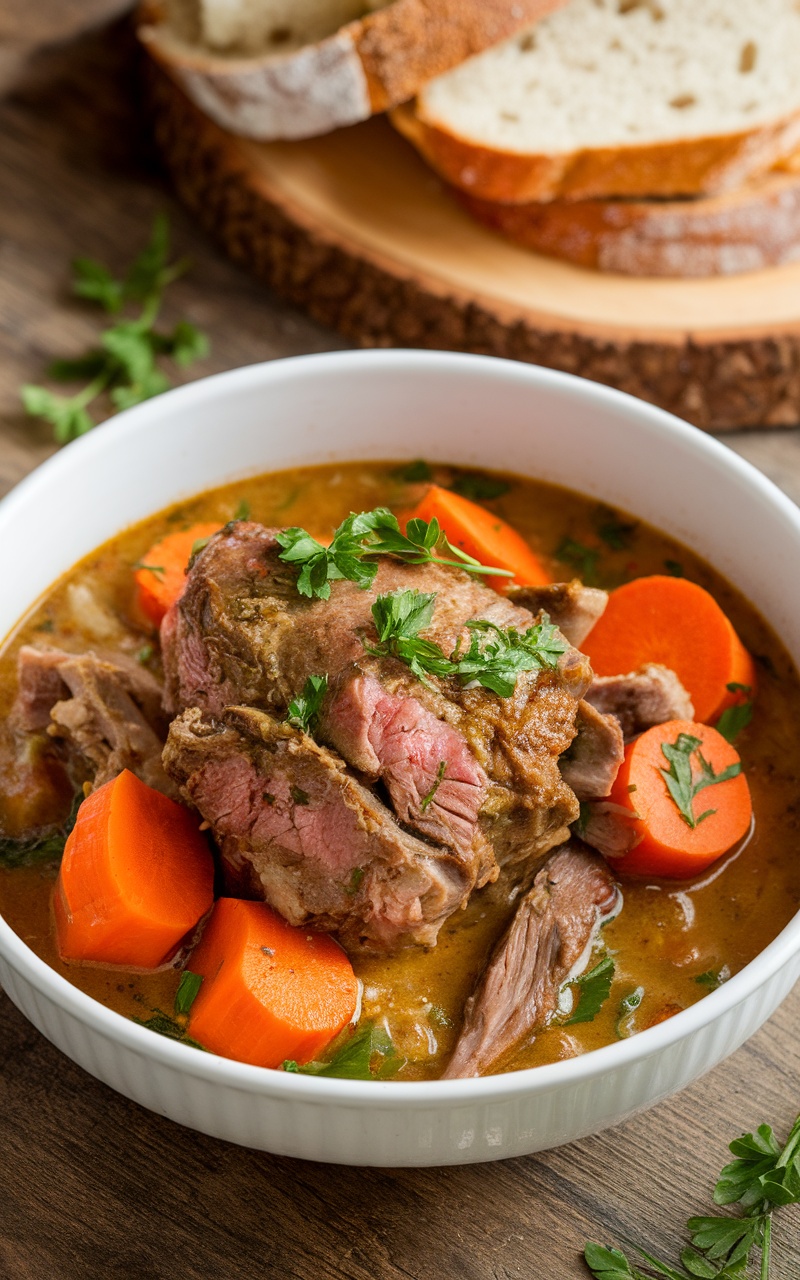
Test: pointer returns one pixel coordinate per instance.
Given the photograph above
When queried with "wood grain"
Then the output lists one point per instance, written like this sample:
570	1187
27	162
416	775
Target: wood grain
94	1187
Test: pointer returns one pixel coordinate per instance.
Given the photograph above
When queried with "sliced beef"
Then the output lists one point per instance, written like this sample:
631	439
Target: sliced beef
573	607
296	829
550	932
591	763
106	709
608	828
241	635
649	696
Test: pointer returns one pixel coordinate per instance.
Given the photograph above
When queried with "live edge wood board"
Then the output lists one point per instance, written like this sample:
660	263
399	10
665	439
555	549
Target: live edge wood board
353	228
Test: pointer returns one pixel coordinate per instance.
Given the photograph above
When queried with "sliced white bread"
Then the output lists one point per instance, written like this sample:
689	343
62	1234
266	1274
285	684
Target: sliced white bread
746	230
270	69
619	98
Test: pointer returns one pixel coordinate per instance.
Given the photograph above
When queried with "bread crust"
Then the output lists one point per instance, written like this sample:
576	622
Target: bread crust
367	66
746	230
679	167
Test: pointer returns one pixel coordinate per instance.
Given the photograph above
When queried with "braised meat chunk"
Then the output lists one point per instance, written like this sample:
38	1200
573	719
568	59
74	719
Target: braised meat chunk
296	828
573	607
651	695
549	933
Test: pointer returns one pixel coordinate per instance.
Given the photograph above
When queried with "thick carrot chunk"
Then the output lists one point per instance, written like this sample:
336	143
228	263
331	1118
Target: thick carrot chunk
664	841
677	623
483	535
270	991
161	574
135	878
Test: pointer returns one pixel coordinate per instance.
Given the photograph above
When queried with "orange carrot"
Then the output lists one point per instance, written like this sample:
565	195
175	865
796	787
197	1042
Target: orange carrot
484	536
677	623
270	991
664	841
136	876
161	574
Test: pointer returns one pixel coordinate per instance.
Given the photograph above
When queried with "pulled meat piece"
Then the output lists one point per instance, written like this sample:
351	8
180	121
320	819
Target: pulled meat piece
107	709
296	829
550	932
649	696
242	635
591	764
573	607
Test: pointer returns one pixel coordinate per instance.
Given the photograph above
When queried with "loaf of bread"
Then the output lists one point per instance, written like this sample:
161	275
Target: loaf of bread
270	69
616	98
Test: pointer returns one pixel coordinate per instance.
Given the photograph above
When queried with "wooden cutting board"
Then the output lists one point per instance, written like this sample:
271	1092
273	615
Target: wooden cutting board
356	230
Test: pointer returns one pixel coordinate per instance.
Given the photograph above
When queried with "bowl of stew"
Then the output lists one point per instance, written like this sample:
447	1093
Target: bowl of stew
388	765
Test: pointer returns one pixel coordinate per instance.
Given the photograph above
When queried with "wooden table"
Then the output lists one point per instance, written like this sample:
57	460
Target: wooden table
94	1187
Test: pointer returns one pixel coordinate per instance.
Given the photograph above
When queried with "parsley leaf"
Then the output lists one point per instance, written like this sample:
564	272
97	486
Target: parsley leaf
368	534
713	978
582	559
594	988
627	1007
124	363
304	710
437	782
615	533
242	512
761	1177
369	1054
737	717
478	486
188	988
41	849
682	785
416	472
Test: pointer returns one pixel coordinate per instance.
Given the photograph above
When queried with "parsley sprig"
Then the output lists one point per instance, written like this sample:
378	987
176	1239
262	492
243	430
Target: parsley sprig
762	1177
369	1054
737	717
594	988
42	849
304	710
682	785
494	658
124	364
361	537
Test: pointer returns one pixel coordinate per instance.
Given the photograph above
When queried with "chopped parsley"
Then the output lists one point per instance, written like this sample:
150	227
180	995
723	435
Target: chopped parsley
145	654
627	1007
304	710
580	558
299	796
369	1054
416	472
188	987
494	658
616	534
478	486
681	783
360	538
674	568
736	718
593	988
242	512
42	849
713	978
356	880
437	782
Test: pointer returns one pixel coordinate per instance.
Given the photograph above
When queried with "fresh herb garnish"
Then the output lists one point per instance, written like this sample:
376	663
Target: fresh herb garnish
593	988
145	654
124	365
737	717
157	569
627	1007
437	782
674	568
164	1025
615	533
494	658
355	881
242	512
713	978
369	534
416	472
40	849
299	796
368	1055
479	487
304	710
762	1177
579	557
188	987
438	1017
682	785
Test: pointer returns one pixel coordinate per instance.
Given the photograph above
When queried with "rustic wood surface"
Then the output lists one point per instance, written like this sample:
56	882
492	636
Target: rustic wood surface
94	1187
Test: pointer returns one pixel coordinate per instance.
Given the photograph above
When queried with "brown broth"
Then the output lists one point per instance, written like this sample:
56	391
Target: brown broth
668	934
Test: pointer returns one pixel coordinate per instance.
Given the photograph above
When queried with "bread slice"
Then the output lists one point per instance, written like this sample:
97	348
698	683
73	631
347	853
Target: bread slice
620	98
270	69
746	230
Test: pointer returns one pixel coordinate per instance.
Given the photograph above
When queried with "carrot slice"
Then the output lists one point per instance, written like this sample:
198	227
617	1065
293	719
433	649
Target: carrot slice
270	991
677	623
136	876
161	575
483	535
665	843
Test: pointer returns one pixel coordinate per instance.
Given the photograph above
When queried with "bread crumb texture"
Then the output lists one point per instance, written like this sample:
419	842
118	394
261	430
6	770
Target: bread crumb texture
611	73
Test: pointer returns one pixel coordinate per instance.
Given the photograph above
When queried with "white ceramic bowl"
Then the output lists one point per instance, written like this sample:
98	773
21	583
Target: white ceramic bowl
457	408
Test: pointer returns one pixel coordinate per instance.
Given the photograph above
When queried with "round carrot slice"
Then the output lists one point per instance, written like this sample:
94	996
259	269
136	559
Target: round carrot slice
270	991
677	623
161	575
135	878
664	841
484	536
